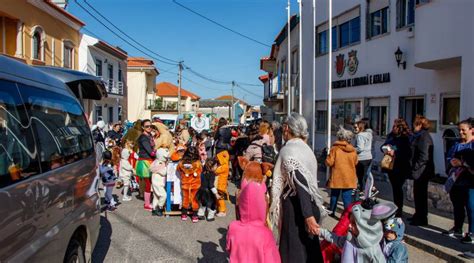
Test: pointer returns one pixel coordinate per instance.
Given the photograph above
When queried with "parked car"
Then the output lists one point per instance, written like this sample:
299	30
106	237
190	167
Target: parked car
170	120
50	204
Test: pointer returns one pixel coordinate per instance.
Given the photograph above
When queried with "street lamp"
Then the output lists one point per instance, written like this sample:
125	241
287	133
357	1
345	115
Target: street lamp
398	58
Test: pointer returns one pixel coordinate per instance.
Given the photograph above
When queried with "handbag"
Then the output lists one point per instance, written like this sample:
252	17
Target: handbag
387	162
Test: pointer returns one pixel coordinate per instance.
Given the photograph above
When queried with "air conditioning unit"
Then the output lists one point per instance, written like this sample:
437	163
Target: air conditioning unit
411	32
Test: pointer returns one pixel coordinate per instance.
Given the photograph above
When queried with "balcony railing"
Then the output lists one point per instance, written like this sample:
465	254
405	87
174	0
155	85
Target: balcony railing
114	87
159	104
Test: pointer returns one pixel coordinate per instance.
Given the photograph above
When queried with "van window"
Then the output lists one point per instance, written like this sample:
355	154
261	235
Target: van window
58	121
18	153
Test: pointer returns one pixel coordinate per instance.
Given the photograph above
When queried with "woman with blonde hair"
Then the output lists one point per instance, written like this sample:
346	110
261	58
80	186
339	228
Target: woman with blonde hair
266	132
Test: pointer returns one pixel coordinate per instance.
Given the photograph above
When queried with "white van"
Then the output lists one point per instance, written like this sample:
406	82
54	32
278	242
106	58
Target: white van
170	120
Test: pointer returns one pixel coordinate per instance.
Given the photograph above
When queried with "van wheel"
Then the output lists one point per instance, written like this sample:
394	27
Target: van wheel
75	252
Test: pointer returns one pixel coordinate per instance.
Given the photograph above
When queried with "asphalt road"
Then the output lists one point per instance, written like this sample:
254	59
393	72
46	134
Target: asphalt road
131	234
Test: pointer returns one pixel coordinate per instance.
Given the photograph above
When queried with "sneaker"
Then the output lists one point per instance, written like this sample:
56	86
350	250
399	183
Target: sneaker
154	212
159	212
126	198
201	217
453	232
467	239
221	214
195	219
147	208
184	217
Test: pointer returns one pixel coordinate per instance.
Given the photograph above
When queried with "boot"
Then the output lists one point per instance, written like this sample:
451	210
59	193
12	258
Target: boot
147	205
211	215
159	212
126	197
201	213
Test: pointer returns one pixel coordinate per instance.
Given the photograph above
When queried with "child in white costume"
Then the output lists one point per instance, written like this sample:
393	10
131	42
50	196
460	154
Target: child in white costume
158	180
126	172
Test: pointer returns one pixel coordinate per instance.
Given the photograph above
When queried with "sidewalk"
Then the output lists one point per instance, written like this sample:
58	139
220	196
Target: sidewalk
428	239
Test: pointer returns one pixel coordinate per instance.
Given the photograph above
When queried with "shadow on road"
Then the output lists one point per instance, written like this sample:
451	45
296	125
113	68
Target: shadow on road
210	252
103	243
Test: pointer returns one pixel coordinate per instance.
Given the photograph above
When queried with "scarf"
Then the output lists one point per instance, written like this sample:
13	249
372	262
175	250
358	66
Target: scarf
294	156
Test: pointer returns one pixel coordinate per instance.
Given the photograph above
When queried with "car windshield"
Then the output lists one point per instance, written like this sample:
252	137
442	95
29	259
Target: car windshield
169	123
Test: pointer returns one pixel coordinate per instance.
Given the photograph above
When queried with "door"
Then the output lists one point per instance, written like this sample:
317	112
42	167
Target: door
111	114
410	107
19	167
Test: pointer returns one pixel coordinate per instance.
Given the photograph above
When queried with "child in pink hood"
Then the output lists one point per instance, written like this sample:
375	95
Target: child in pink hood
249	239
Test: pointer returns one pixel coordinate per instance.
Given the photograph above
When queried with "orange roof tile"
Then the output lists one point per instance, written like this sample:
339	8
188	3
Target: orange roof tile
140	62
264	78
166	89
229	97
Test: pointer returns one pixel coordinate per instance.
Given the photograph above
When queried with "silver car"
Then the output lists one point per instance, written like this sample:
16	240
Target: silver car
50	205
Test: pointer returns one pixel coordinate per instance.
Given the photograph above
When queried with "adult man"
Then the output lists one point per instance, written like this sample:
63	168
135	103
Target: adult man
115	134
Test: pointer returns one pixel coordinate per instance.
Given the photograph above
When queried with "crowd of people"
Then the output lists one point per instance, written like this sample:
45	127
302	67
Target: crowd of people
278	197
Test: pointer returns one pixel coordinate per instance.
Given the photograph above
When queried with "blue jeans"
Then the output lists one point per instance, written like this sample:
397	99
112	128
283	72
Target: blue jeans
470	210
346	198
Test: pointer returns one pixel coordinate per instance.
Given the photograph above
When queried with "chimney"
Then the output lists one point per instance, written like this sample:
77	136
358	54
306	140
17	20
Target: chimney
60	3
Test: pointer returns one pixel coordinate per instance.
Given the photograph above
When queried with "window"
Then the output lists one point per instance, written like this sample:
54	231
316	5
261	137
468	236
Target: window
334	38
450	112
379	22
120	113
98	113
405	13
410	107
322	43
68	54
37	44
284	80
352	112
110	69
18	153
120	73
61	129
98	68
321	120
111	114
355	30
378	120
344	31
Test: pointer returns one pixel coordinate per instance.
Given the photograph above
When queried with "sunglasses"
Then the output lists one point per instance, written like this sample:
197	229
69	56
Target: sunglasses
147	126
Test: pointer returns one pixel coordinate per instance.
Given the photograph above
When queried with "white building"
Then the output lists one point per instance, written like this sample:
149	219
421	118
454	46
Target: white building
141	74
99	58
434	77
167	94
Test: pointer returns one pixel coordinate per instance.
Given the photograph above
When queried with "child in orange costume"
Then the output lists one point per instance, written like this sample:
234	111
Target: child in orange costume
190	169
222	173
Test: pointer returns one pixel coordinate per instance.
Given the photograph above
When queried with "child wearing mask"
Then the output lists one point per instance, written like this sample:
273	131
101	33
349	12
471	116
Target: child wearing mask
393	246
207	194
222	173
190	169
108	177
126	173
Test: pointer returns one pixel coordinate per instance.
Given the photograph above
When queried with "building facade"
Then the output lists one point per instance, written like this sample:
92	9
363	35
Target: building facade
101	59
167	99
141	85
392	59
39	32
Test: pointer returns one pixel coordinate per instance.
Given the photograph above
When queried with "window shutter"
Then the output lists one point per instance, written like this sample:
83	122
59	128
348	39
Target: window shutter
399	13
368	22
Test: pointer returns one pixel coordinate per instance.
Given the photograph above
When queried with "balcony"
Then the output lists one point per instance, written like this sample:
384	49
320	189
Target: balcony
114	87
160	105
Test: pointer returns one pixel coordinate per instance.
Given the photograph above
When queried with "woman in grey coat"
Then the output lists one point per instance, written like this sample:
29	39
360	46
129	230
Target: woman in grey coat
363	145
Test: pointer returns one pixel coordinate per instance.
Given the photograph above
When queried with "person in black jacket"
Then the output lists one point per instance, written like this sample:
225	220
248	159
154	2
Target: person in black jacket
222	136
399	142
115	134
146	155
422	168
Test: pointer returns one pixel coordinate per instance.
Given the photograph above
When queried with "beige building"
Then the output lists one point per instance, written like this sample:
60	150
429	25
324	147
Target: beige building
39	32
141	78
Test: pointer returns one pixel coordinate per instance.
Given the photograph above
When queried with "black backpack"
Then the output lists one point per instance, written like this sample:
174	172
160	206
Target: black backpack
268	153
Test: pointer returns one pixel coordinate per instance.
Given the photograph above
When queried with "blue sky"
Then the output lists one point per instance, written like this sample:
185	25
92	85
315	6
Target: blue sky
176	33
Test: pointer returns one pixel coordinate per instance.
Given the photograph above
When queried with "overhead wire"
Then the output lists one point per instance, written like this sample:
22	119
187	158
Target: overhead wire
219	24
125	40
131	38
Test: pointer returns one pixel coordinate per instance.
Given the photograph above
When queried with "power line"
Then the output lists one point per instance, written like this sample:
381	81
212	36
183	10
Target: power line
121	31
219	24
249	92
125	40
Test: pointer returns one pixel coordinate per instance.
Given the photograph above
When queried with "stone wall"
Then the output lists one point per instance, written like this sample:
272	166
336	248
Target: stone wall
437	197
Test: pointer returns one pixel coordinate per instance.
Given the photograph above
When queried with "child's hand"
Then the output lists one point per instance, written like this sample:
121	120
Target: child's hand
311	226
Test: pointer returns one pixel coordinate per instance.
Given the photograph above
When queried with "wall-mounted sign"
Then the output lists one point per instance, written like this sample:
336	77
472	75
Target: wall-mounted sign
340	65
352	62
361	81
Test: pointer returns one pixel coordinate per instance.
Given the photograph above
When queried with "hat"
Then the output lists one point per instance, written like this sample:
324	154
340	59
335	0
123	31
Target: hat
101	124
107	155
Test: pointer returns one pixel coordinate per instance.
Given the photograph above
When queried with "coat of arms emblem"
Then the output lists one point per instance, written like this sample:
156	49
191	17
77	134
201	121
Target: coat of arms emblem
352	62
340	65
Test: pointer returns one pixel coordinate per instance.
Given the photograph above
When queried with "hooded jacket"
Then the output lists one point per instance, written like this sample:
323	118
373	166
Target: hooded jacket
248	239
364	145
343	160
190	174
126	168
395	250
222	172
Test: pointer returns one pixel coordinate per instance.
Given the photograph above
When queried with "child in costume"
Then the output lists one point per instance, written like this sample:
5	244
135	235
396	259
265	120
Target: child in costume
207	194
190	170
158	180
222	174
362	243
393	246
106	171
249	239
126	173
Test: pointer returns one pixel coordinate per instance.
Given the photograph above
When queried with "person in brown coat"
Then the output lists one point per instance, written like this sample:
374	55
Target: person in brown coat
342	160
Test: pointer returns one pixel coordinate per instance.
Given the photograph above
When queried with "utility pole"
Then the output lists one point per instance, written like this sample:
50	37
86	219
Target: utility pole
232	108
180	65
288	61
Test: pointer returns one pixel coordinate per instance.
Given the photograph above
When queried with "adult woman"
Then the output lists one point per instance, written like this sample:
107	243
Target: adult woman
399	142
254	150
146	154
267	133
342	160
363	147
422	168
459	193
295	191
